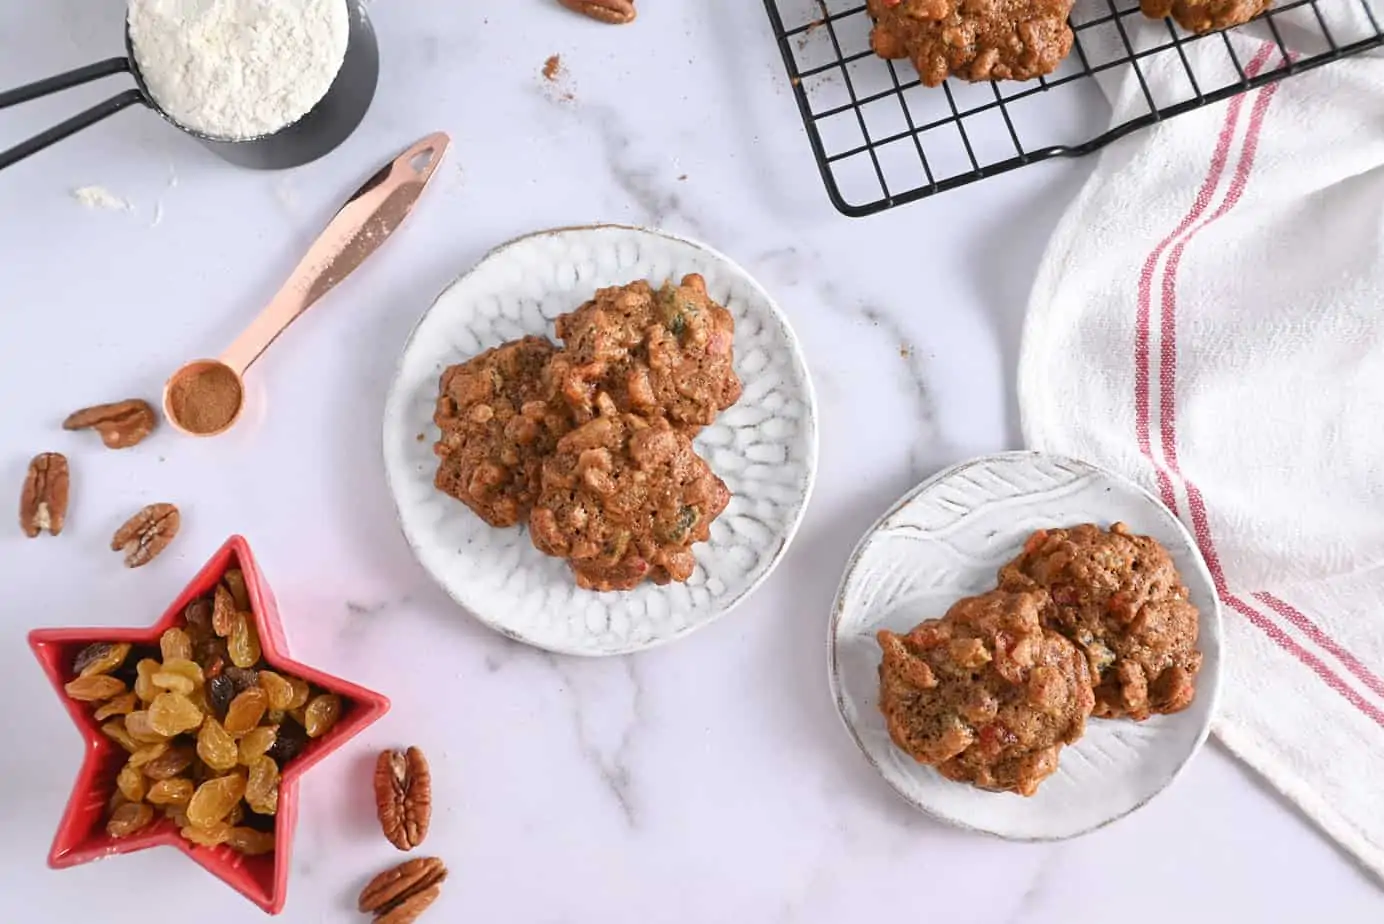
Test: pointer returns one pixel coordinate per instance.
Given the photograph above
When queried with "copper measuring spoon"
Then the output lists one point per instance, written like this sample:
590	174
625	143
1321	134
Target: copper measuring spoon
205	397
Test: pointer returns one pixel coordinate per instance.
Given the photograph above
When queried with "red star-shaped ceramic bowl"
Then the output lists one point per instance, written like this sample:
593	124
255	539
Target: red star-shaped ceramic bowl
82	835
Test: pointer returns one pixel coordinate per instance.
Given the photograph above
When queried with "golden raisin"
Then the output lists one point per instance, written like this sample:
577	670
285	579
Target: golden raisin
130	782
100	658
170	763
243	645
301	692
213	835
174	683
236	815
246	710
223	612
147	753
215	746
144	680
176	791
122	704
138	725
175	643
129	818
94	688
173	713
322	714
179	676
256	742
279	690
262	788
115	730
214	799
235	583
250	842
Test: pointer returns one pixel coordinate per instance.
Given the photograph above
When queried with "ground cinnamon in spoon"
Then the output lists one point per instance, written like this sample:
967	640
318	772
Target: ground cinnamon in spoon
206	400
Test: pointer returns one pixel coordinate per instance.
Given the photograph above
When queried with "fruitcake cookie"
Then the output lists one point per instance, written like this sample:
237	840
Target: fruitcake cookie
973	39
985	694
664	353
497	426
623	498
1119	597
1205	15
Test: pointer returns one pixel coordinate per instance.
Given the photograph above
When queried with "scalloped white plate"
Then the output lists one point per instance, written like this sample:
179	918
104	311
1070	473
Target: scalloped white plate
947	539
765	447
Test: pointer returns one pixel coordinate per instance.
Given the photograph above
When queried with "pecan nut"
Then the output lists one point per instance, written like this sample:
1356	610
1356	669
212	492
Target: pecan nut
411	908
393	888
121	425
146	534
615	12
403	796
43	502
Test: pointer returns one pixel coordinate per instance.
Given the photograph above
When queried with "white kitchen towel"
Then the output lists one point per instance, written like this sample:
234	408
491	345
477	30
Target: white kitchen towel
1209	320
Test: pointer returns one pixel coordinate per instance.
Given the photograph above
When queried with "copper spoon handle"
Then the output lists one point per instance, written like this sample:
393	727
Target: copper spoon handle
358	229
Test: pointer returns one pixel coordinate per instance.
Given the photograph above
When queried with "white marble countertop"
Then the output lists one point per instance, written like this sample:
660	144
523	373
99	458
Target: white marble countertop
709	781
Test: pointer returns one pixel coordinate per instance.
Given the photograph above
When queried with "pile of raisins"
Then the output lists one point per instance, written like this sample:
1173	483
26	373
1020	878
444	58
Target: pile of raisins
207	726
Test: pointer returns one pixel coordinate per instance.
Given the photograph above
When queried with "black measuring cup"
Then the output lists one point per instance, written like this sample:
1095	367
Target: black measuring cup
321	129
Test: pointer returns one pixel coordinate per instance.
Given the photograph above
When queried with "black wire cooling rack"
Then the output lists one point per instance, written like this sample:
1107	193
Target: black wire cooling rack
883	139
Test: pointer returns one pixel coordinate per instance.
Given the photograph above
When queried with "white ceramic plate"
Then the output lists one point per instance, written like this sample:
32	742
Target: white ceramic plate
947	539
765	447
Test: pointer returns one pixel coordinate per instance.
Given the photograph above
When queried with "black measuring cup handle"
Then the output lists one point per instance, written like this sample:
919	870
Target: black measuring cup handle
81	120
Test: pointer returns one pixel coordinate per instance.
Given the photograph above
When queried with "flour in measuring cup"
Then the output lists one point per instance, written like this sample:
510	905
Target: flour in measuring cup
236	69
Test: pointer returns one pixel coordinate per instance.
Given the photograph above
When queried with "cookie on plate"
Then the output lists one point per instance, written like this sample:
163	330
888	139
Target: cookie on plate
1119	597
665	353
1204	15
985	694
973	39
497	426
623	499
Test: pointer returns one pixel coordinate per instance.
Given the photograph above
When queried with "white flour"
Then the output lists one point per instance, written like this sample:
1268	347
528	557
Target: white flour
98	197
237	69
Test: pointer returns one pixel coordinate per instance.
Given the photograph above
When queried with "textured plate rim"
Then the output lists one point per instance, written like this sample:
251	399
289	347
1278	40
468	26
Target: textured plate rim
810	419
834	667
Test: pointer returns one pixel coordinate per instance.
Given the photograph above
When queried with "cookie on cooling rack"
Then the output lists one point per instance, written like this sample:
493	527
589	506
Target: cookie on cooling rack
1204	15
973	39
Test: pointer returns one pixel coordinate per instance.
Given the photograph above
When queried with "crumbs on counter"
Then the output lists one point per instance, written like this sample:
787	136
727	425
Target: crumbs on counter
552	68
98	197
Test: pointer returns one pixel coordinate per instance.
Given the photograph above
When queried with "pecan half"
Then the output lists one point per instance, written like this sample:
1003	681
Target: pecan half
43	501
393	888
403	796
411	908
615	12
146	534
121	425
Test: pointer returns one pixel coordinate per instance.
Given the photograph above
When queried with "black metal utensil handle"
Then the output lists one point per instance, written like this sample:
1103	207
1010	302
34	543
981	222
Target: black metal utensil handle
81	120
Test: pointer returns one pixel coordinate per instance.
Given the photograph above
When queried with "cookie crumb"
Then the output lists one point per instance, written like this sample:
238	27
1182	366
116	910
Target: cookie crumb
552	68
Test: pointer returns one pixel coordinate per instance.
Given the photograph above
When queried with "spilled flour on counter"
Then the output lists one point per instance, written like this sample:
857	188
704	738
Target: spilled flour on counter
98	197
237	69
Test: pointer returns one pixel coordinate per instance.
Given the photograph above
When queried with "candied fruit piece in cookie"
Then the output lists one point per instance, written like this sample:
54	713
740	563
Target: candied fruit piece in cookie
498	422
624	498
666	352
985	694
1118	596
